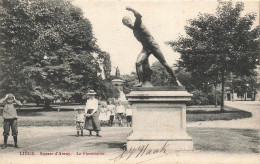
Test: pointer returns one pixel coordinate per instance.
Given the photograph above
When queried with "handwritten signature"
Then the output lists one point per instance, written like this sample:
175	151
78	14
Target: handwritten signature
143	150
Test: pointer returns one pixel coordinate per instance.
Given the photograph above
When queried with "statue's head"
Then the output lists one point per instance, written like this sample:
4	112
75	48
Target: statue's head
127	21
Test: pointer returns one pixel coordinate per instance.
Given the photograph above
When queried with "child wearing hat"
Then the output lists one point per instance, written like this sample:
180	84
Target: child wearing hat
10	118
80	121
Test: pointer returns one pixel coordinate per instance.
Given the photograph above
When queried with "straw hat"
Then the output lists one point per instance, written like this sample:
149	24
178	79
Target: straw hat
91	92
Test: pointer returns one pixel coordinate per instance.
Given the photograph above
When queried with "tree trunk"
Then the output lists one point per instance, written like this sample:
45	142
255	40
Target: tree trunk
222	90
216	97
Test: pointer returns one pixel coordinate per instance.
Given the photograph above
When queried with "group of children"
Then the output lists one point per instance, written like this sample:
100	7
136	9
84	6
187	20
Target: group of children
106	114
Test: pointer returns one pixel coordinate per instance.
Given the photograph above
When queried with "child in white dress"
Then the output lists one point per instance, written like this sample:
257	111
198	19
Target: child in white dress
103	114
111	110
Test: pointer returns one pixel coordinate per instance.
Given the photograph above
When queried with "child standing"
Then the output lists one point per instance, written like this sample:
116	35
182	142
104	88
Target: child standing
111	112
80	121
103	113
129	114
120	111
10	118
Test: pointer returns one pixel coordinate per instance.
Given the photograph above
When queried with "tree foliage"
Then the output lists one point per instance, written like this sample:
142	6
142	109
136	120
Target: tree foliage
130	81
48	50
160	77
243	83
218	44
186	79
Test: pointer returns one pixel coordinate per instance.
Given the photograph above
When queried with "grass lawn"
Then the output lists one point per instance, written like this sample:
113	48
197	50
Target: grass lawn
225	140
209	113
65	117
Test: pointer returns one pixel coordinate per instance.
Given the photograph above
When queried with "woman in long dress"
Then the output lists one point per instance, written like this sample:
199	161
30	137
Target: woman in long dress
92	113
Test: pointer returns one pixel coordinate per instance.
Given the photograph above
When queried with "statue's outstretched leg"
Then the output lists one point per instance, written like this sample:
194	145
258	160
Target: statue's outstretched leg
142	57
170	71
158	54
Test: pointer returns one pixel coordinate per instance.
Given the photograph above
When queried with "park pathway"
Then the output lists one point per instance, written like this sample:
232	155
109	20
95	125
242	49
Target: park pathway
246	123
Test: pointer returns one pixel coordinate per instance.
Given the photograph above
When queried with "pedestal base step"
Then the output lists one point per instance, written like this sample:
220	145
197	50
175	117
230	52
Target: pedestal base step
173	142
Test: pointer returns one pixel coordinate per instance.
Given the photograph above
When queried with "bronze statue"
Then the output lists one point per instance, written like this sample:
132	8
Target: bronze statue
149	47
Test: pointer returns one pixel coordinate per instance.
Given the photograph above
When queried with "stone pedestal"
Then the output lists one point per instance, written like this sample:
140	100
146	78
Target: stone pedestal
159	118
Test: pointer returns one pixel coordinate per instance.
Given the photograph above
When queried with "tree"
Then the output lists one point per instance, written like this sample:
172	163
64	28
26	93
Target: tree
160	77
15	44
106	90
48	50
243	84
185	79
130	81
218	44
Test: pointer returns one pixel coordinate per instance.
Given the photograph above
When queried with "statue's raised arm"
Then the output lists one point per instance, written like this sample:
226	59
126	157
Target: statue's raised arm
136	13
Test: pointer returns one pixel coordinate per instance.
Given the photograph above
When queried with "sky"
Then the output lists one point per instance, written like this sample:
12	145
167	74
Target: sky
164	19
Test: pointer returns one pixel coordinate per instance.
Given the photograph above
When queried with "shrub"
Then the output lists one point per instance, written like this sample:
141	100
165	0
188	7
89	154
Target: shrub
200	98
